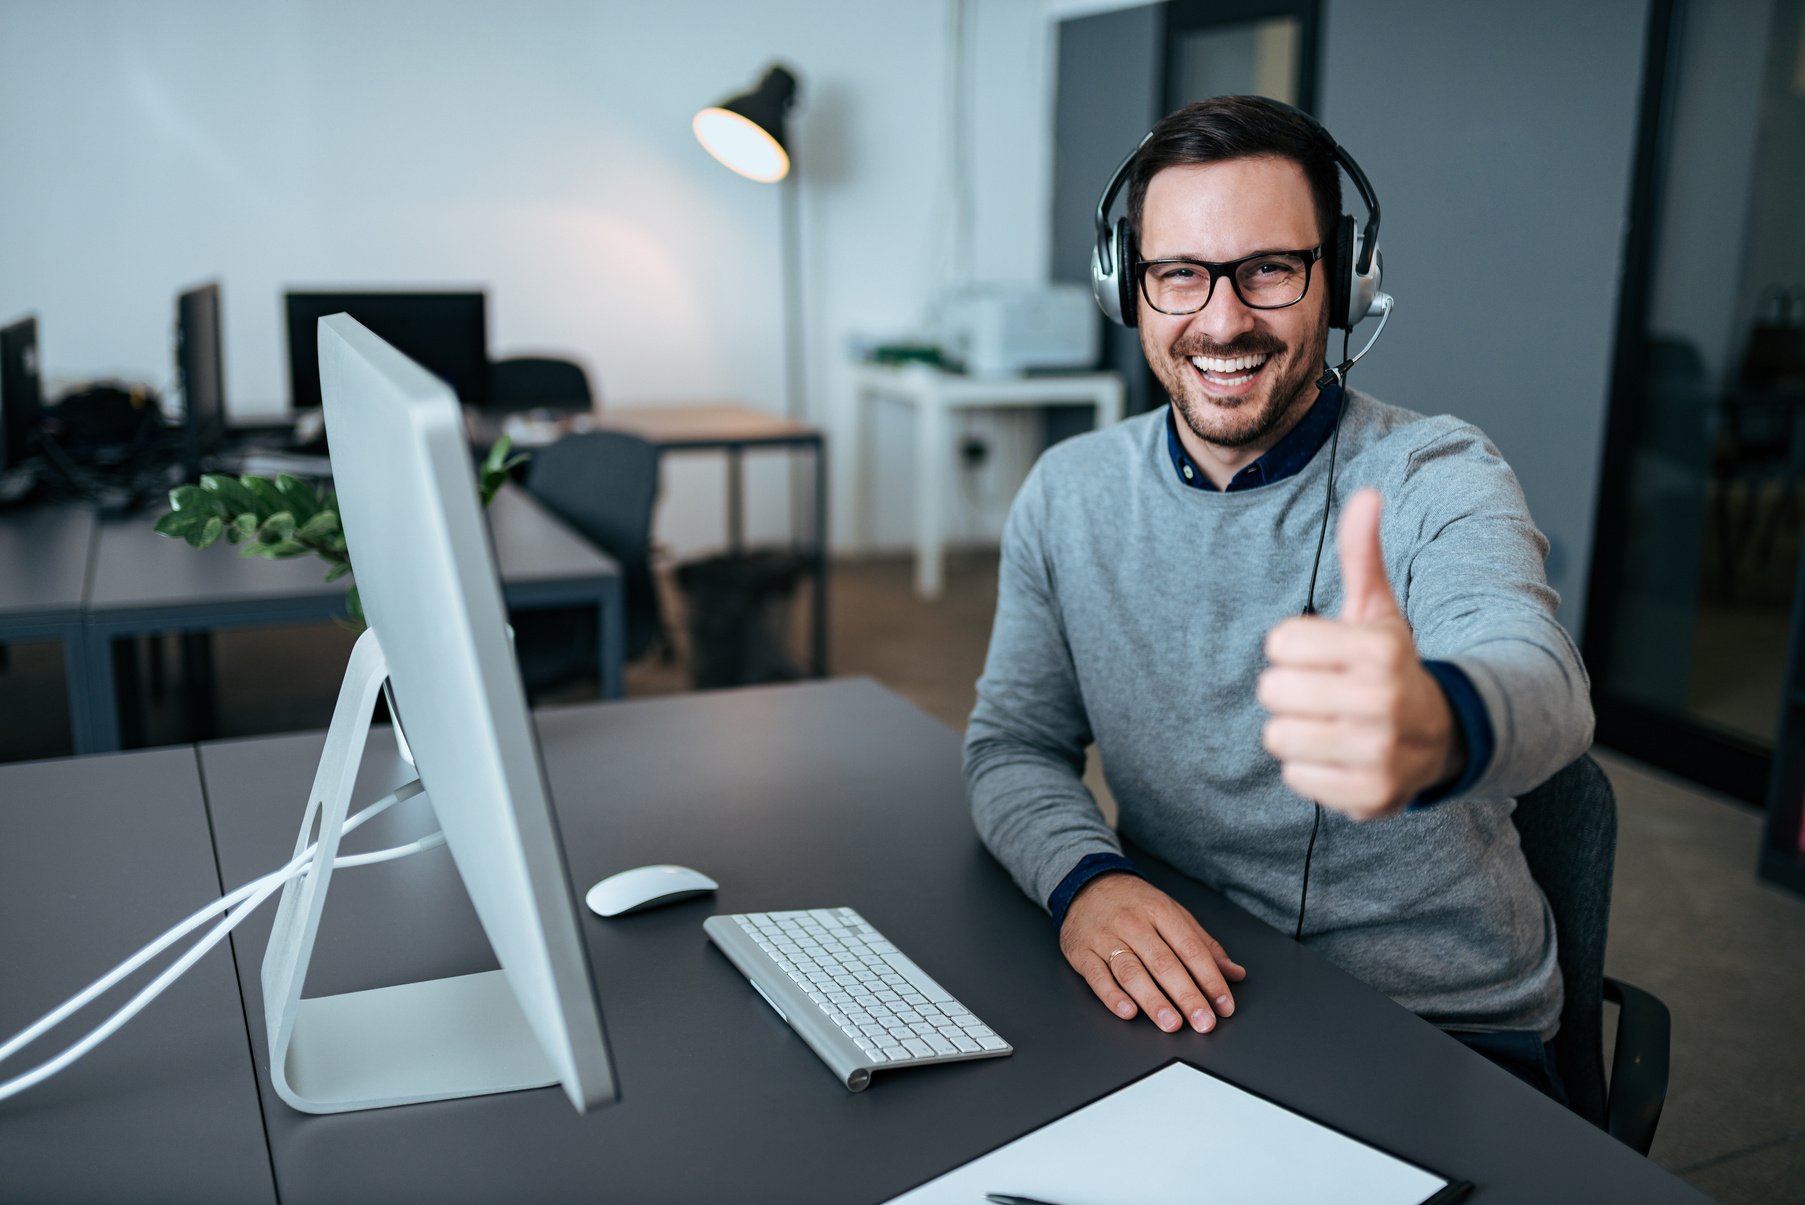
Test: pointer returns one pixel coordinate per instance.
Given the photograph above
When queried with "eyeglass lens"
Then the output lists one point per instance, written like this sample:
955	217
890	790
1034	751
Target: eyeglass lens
1262	282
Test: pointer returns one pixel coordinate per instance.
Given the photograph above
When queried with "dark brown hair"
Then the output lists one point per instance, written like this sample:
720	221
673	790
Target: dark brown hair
1241	127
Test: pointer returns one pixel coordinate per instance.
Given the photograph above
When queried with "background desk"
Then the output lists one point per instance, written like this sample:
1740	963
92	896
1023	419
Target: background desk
144	584
819	794
935	394
733	429
43	581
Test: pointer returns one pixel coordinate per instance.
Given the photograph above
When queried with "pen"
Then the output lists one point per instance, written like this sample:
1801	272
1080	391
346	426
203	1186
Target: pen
1003	1198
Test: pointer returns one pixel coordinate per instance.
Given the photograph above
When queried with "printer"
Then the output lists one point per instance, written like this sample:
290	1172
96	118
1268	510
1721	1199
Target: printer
1006	330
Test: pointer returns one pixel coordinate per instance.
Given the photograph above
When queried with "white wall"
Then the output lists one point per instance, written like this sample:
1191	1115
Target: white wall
541	149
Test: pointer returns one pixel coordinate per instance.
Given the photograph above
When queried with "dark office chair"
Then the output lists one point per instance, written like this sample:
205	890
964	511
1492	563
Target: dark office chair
604	484
538	383
1568	828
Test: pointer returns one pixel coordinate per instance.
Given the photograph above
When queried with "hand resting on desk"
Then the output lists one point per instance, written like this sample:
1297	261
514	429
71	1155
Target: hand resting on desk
1136	945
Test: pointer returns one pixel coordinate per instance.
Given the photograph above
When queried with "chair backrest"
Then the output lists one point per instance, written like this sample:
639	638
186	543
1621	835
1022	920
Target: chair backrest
534	382
605	485
1568	830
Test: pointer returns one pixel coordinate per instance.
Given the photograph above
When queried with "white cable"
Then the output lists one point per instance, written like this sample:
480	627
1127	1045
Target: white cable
241	903
295	866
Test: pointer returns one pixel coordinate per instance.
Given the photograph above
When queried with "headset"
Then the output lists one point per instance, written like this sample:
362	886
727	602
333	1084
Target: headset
1355	263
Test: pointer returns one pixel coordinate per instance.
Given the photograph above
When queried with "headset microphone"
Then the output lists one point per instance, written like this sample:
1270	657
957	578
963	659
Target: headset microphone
1337	374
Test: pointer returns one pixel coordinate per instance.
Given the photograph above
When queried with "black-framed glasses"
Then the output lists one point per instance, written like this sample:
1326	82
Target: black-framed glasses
1269	280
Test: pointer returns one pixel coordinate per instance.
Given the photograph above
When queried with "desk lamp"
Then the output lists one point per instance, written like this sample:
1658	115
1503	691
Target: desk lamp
749	134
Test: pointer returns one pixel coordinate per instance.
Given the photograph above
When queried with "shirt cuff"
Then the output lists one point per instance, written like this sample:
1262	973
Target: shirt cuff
1088	868
1475	728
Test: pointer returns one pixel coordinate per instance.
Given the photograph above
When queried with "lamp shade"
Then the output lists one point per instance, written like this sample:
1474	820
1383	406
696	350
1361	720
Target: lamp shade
747	132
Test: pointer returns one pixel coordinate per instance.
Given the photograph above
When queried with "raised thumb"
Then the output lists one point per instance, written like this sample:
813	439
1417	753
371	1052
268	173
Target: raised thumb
1366	595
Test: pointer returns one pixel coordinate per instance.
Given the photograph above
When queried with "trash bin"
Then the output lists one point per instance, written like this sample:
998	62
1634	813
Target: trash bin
739	617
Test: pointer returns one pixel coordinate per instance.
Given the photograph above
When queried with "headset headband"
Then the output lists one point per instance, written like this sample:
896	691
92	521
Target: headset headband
1369	242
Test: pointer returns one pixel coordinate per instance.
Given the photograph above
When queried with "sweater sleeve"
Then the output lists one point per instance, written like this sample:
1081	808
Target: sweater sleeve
1025	744
1476	597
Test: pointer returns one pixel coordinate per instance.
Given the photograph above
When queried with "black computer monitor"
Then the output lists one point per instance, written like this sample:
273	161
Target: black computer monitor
200	366
444	332
21	394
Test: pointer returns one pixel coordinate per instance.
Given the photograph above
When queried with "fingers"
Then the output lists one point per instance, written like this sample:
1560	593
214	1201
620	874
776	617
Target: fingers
1139	951
1330	644
1285	690
1357	791
1331	742
1366	594
1102	980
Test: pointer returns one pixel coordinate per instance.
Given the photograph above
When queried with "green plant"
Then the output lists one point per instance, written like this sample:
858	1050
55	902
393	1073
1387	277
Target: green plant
289	517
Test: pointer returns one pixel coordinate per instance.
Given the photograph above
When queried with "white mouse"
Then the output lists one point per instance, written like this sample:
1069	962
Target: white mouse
646	887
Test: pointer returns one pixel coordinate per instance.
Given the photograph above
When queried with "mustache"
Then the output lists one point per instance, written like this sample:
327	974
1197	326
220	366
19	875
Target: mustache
1251	344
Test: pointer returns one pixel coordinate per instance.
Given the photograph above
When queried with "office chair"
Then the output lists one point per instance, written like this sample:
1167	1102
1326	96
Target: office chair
538	383
1568	830
604	484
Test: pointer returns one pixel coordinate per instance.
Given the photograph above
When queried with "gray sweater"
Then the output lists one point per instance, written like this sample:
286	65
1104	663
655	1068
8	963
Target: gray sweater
1131	612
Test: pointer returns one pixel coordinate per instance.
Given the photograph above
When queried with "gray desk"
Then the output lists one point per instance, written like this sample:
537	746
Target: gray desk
43	580
824	794
97	857
144	584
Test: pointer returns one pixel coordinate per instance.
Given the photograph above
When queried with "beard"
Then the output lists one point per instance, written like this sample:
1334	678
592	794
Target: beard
1237	422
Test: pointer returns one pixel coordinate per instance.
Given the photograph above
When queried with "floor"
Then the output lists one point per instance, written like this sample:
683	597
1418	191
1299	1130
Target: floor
1690	920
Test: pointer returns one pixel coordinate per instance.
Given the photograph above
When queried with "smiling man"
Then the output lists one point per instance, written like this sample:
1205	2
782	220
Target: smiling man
1334	742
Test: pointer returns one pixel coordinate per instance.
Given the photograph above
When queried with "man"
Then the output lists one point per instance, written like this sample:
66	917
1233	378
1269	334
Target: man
1149	600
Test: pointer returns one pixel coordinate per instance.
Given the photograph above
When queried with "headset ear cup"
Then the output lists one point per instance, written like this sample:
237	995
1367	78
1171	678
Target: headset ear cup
1126	253
1341	274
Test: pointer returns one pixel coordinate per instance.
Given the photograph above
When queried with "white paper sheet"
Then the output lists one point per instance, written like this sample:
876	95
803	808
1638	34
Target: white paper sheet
1182	1135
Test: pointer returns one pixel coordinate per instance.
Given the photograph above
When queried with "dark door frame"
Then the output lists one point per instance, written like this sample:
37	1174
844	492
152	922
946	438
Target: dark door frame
1715	758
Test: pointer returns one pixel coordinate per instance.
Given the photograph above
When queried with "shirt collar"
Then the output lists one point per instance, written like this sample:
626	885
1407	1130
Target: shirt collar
1284	459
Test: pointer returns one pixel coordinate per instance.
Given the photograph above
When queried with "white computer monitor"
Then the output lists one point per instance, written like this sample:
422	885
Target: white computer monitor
427	580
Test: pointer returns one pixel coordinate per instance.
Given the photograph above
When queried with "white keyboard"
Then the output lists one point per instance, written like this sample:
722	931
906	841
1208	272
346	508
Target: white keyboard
861	1004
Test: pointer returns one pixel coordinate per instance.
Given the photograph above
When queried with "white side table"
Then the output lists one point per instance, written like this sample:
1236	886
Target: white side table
934	393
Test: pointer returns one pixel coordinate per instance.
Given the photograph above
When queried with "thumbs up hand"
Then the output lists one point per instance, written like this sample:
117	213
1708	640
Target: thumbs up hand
1355	721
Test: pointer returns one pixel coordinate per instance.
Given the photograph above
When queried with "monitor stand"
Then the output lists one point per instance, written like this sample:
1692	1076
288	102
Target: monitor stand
433	1040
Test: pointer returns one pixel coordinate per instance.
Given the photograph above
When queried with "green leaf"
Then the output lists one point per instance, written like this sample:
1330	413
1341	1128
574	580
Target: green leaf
207	532
319	528
498	452
269	498
194	498
243	527
279	526
302	502
258	549
235	497
285	548
176	523
337	571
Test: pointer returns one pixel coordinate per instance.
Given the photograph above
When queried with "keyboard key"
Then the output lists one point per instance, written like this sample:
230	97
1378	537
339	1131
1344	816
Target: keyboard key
993	1043
918	1048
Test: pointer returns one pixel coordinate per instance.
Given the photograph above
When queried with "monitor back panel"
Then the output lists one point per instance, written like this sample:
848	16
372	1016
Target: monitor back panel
445	333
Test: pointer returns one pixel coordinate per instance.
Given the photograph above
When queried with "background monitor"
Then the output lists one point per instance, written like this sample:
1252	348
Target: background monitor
444	332
200	367
427	579
21	392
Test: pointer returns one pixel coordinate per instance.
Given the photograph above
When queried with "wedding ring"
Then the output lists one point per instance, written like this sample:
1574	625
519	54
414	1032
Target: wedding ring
1114	952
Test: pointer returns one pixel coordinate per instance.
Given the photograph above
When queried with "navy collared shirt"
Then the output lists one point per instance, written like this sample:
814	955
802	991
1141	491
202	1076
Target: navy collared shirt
1285	459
